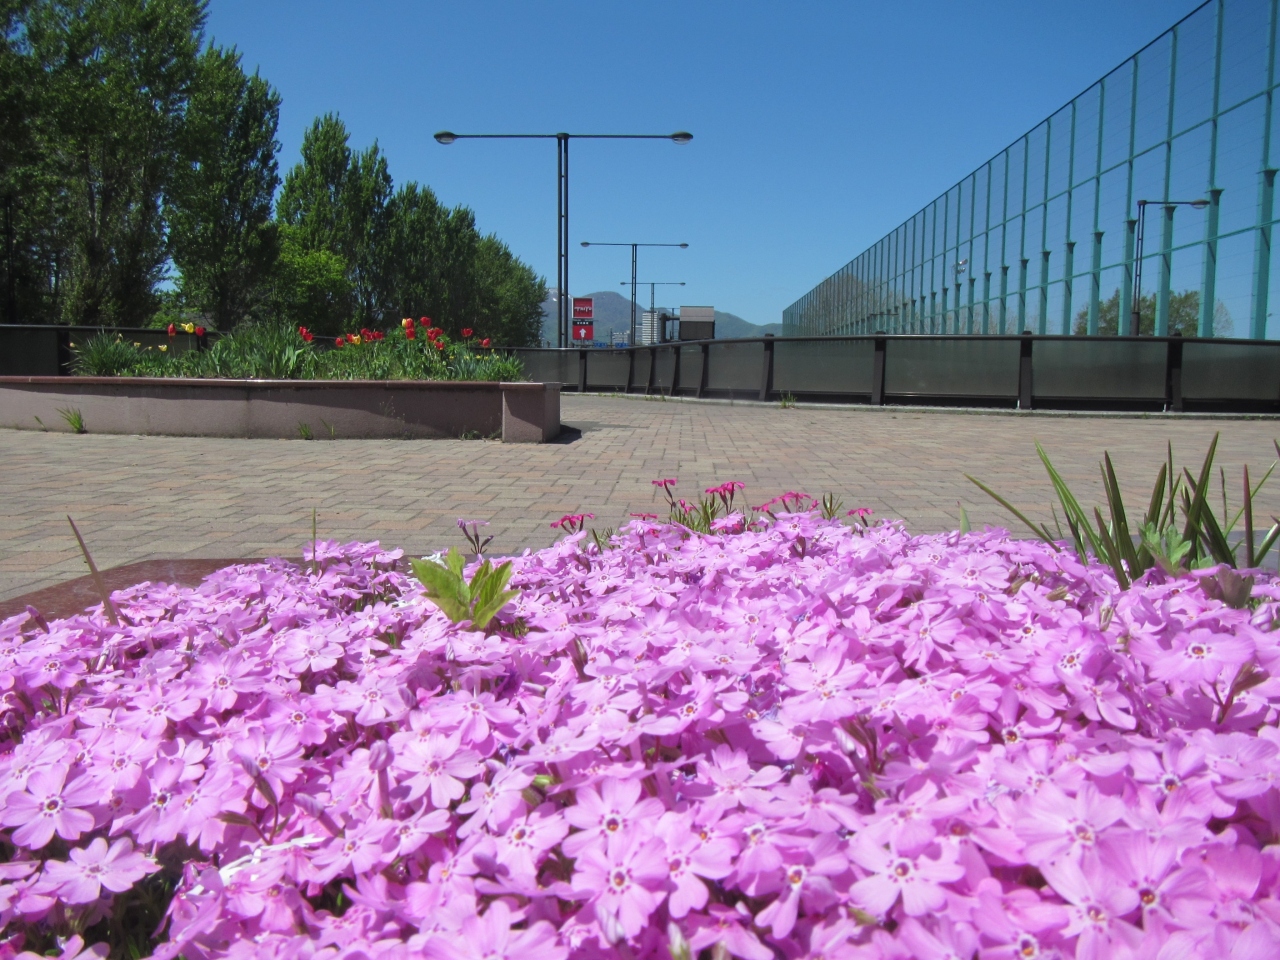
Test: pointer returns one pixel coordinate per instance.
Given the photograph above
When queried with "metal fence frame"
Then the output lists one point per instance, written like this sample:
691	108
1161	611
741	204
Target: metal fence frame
1026	240
1016	372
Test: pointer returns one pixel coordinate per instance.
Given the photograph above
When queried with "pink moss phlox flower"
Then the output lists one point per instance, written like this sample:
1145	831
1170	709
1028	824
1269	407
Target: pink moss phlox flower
624	878
81	879
50	804
786	738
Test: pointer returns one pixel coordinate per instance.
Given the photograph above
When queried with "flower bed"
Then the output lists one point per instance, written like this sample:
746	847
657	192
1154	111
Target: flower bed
798	739
272	351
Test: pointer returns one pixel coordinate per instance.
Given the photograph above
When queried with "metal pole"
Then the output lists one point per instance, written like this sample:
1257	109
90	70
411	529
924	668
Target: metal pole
568	300
633	293
1166	272
1262	264
1135	318
559	245
1262	267
1068	269
1095	287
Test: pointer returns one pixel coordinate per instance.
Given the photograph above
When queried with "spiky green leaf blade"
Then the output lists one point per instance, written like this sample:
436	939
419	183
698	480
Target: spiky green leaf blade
1039	532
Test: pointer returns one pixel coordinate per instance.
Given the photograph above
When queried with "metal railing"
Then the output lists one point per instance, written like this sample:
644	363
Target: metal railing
1022	372
1017	372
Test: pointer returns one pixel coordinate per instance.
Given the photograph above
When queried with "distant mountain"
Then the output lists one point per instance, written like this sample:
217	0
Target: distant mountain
613	313
732	327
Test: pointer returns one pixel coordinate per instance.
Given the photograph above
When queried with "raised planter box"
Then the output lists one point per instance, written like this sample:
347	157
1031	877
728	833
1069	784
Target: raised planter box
283	409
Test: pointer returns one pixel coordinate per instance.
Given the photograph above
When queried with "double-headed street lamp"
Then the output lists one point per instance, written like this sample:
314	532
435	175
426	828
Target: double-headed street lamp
653	310
564	308
1135	316
634	246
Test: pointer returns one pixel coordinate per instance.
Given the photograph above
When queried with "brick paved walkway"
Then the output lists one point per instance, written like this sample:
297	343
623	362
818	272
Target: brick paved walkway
138	498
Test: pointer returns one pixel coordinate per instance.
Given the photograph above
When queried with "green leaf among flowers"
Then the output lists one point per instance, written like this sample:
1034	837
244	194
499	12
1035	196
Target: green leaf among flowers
478	601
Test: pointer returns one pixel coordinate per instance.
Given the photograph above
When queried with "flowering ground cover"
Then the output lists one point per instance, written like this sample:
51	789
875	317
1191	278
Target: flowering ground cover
790	737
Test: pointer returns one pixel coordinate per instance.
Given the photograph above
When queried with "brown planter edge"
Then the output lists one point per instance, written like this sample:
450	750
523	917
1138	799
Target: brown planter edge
286	409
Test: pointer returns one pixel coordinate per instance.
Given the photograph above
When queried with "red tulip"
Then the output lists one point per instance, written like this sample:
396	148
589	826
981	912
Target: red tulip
425	321
410	333
467	331
173	330
484	342
339	342
407	323
439	344
199	331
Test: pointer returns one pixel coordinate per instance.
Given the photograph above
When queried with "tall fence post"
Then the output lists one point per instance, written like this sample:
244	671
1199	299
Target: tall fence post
702	379
766	368
877	373
677	351
653	370
1173	373
582	371
1024	371
631	368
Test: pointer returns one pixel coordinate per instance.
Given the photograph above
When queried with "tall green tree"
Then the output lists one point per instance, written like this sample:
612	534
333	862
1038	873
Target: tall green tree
19	113
338	201
1184	316
511	295
117	77
222	236
309	287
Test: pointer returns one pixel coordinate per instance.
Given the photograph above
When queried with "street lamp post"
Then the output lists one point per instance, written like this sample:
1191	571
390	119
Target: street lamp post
653	285
633	247
1135	316
563	303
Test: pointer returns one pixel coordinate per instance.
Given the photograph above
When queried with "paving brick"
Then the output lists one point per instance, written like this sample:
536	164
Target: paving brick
141	498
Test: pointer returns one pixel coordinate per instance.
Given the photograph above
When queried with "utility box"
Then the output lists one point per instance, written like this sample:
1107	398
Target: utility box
697	323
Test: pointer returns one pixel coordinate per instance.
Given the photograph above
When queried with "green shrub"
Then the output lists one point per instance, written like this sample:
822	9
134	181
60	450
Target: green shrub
273	351
104	355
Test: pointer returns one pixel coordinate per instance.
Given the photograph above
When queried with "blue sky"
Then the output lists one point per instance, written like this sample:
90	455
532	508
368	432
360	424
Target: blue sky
818	126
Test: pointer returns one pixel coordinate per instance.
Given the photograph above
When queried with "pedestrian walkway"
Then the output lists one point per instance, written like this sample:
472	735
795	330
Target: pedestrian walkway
142	498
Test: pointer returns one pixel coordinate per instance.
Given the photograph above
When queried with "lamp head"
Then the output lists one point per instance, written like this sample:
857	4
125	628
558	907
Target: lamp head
681	136
1200	204
445	137
684	246
585	244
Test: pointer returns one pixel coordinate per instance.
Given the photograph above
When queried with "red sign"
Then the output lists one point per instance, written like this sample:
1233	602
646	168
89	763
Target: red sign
583	309
583	329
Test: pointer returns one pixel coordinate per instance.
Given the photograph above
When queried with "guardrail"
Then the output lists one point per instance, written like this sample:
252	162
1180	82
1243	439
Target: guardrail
1022	372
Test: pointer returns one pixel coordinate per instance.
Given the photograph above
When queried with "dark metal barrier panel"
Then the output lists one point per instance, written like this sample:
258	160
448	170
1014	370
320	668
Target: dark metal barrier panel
1231	371
690	372
607	369
1080	368
735	367
29	352
664	374
968	367
640	376
1066	372
550	366
823	366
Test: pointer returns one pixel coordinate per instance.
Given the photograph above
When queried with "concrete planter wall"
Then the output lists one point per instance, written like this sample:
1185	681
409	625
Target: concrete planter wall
283	409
